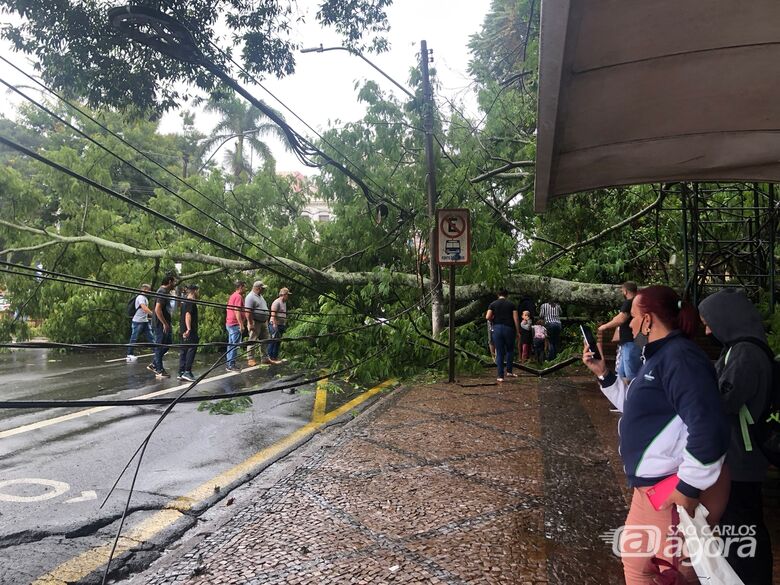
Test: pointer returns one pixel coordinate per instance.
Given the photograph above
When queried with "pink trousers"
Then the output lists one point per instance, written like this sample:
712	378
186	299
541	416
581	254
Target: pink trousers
647	532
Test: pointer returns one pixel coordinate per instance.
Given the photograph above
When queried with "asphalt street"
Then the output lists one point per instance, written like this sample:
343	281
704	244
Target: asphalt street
55	470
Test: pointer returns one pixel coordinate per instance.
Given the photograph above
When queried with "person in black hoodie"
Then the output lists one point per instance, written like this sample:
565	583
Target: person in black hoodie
744	378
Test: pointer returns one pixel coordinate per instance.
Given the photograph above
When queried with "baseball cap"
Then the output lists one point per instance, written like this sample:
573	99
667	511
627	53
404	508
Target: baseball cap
192	287
284	291
258	284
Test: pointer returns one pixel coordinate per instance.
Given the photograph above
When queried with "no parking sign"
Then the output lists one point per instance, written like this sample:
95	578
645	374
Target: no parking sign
453	237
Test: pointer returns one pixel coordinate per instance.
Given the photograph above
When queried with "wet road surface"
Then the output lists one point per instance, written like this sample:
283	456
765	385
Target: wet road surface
54	476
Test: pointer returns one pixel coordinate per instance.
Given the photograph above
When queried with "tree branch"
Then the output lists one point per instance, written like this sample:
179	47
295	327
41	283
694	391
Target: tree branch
502	169
592	295
609	230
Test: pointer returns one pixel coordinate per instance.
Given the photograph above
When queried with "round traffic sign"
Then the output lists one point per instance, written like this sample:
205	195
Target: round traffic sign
453	225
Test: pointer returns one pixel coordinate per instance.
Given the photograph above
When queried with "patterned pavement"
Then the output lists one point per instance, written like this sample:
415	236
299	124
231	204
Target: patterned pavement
465	483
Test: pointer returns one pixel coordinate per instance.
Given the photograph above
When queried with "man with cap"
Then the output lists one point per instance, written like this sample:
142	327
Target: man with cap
257	314
278	324
188	327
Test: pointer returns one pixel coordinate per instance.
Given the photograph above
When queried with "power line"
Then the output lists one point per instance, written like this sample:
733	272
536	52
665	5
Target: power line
97	284
249	75
155	181
40	158
169	172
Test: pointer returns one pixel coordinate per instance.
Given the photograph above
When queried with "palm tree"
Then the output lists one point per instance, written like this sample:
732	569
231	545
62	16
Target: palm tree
243	123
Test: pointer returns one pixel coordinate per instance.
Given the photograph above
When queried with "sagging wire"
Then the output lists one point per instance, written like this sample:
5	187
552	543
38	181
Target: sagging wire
145	155
96	284
142	448
177	195
40	158
57	345
47	275
160	32
155	181
328	159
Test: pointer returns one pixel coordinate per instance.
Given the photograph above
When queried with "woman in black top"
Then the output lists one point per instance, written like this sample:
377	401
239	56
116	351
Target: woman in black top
506	325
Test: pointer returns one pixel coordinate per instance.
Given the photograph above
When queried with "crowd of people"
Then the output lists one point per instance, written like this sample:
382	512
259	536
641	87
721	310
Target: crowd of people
683	418
687	419
245	315
512	331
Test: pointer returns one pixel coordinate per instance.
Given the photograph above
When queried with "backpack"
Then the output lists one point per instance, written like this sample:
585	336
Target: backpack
766	429
131	308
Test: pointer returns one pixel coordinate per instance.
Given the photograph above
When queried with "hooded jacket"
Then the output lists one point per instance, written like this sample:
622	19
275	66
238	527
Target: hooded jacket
744	374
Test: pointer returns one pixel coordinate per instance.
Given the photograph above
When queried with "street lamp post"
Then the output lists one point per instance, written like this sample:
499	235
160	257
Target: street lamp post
322	49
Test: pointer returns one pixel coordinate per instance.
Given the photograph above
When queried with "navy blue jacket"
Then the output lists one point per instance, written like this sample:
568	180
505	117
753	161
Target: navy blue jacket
673	420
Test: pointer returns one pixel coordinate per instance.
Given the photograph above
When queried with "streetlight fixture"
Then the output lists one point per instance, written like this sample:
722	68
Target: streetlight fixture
357	53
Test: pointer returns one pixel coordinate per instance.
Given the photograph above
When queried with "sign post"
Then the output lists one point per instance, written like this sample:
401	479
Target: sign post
452	248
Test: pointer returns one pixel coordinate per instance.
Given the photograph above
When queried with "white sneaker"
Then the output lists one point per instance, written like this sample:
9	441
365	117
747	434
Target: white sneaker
132	358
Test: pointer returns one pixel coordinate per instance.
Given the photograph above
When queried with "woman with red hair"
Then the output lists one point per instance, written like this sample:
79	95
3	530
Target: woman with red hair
672	424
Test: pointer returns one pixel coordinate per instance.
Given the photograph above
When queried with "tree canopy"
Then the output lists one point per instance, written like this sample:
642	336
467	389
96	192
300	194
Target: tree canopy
357	268
80	53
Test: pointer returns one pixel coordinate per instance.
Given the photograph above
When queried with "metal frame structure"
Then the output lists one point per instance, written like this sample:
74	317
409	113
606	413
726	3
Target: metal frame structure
729	234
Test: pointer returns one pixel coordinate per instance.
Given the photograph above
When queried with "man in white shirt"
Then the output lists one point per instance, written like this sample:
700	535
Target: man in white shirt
257	315
140	323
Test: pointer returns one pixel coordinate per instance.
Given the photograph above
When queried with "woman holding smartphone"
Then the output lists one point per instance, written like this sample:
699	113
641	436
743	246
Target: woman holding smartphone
672	424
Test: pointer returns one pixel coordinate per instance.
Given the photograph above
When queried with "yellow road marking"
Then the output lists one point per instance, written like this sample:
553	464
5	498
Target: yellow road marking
91	560
320	400
88	411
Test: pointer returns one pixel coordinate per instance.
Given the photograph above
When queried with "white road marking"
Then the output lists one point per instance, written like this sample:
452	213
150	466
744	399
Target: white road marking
88	411
84	497
60	487
124	359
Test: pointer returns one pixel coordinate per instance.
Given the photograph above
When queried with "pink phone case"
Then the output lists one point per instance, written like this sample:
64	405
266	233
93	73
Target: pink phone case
662	490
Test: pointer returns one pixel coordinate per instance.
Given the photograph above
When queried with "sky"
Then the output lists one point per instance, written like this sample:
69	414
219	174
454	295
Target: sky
322	90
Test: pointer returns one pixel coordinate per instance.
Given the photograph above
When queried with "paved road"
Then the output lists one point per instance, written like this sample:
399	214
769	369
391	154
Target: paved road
54	476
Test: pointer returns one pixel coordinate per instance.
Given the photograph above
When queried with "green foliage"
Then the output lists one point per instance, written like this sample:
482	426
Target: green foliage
82	54
227	405
258	213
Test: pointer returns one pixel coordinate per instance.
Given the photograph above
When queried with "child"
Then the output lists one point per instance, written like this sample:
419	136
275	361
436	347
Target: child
540	335
526	336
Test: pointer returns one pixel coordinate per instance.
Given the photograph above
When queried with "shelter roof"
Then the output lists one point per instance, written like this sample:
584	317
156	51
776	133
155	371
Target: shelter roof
638	91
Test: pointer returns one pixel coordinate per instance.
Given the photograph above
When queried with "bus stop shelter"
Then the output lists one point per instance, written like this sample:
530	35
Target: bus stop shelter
634	92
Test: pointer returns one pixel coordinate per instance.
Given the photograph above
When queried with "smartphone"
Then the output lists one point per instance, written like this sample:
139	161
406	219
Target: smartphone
661	491
587	335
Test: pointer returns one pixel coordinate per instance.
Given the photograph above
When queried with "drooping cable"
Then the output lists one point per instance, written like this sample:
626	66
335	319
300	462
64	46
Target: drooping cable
40	158
146	156
142	449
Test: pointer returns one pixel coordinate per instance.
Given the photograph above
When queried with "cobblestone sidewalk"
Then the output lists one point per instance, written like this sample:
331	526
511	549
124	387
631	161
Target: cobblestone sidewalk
469	483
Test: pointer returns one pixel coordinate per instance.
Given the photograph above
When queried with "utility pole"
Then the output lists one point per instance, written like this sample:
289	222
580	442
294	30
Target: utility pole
437	298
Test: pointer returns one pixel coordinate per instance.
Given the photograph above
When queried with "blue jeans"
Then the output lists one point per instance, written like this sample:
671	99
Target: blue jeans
164	339
504	340
553	338
276	332
234	338
630	360
137	329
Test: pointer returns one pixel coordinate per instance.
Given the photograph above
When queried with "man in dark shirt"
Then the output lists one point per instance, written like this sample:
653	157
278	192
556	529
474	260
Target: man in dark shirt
162	325
188	327
629	360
